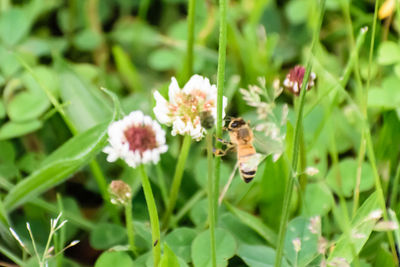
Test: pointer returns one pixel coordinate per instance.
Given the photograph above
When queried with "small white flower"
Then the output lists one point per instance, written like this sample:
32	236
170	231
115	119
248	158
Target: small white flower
311	171
136	139
182	110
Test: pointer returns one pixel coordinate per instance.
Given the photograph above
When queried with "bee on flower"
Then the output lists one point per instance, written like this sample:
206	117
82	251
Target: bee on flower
137	139
184	108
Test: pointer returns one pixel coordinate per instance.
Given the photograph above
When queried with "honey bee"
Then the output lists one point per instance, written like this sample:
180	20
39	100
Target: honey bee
241	138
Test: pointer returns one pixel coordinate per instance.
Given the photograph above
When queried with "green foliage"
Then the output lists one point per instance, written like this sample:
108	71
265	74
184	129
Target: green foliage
57	55
226	248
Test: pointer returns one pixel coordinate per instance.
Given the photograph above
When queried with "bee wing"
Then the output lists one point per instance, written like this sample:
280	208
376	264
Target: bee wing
267	145
252	162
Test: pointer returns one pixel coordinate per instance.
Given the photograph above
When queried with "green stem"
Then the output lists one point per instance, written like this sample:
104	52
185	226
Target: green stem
370	148
292	174
211	198
152	208
187	70
220	88
176	182
187	207
395	189
129	226
143	8
102	184
378	188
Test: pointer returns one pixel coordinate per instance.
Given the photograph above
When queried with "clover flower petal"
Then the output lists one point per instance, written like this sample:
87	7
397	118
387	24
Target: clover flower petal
184	108
136	139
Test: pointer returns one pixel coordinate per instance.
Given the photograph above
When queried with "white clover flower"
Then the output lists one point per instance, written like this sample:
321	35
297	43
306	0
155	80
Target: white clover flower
137	139
183	109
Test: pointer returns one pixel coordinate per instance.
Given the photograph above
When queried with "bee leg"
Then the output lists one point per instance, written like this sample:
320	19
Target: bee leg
220	152
227	143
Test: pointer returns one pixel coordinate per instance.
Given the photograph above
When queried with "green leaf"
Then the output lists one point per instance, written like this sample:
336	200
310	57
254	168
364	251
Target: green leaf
348	171
87	106
362	225
114	258
14	26
388	96
9	63
180	241
388	53
201	253
199	213
126	68
258	256
27	106
242	232
299	228
106	235
66	160
318	199
169	258
87	40
297	11
254	223
16	129
164	59
2	109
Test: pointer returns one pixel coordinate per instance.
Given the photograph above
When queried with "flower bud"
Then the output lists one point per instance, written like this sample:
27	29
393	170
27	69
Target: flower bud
120	192
294	79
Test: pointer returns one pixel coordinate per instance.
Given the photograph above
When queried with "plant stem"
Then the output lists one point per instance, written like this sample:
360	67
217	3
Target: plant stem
189	204
370	148
220	88
395	188
129	226
211	198
176	182
187	70
102	184
297	130
143	8
152	208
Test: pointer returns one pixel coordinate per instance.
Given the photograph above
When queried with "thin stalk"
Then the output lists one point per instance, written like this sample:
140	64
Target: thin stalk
378	188
161	183
344	212
154	222
220	88
143	8
211	198
189	204
102	184
176	181
370	148
129	226
395	188
61	235
187	70
297	131
362	104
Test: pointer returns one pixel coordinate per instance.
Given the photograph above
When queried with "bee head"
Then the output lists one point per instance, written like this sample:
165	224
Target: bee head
236	123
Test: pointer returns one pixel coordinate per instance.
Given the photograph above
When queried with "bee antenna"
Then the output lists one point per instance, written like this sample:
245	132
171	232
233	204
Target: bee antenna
228	118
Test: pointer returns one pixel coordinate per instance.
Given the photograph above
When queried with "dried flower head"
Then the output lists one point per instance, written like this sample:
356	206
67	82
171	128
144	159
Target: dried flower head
183	109
294	79
120	192
296	244
137	139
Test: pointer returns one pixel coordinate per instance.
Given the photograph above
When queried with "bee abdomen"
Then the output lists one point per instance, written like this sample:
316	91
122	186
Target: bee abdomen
248	175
